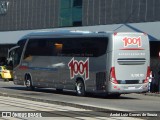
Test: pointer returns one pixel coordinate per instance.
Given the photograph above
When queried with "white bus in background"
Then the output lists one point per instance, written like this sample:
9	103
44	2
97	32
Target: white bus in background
96	62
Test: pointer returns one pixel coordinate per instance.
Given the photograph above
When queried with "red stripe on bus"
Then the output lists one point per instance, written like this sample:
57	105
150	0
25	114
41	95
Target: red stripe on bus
23	67
132	49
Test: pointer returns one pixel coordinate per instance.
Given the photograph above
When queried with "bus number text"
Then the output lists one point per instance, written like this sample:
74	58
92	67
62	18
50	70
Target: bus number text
81	68
132	41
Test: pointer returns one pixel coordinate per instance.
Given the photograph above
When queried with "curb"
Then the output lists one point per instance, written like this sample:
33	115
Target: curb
152	94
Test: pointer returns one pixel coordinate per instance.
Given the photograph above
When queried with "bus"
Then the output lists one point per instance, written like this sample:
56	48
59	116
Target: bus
110	63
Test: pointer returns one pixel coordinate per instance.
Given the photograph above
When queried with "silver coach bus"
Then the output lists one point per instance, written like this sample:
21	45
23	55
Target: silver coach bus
97	62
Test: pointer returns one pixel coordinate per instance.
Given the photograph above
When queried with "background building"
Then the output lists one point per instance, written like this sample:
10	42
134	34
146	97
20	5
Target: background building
26	15
20	17
42	14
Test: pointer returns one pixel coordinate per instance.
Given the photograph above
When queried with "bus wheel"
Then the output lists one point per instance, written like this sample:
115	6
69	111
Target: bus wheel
80	89
28	83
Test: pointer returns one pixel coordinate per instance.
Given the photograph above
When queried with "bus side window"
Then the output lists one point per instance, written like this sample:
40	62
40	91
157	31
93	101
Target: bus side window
84	47
27	52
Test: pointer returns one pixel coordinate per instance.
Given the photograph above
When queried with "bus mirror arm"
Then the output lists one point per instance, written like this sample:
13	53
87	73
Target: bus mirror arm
9	57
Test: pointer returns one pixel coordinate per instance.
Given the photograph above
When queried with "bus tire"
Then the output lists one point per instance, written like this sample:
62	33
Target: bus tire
59	90
115	95
80	88
28	83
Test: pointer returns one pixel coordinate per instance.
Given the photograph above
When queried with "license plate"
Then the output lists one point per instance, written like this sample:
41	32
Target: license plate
131	88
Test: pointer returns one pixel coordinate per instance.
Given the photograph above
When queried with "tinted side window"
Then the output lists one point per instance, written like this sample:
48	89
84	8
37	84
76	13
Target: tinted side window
84	47
42	47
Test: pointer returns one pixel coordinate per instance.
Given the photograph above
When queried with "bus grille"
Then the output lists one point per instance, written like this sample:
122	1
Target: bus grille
100	81
131	61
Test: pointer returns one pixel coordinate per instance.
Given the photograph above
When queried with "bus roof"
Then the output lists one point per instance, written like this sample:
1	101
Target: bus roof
56	33
60	33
